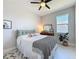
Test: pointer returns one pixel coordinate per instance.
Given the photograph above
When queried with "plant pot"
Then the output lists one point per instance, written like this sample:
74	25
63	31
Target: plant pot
65	43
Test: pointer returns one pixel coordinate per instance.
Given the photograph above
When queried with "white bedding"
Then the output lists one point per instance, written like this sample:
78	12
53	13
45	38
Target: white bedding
24	44
62	52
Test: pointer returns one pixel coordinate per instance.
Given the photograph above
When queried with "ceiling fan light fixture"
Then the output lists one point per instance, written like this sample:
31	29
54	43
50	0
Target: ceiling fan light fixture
43	4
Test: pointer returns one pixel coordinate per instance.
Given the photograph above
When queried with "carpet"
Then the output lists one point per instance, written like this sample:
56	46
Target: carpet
14	54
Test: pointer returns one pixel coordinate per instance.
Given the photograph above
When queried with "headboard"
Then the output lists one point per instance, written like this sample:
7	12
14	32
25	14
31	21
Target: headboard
23	32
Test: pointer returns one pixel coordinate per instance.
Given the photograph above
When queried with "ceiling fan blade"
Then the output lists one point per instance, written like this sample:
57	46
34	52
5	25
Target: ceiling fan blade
40	7
35	2
47	6
42	0
46	1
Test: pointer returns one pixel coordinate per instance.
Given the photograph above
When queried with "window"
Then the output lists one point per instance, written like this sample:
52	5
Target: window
62	23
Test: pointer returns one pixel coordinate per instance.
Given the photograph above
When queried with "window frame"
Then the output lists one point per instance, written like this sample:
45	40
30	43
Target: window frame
62	24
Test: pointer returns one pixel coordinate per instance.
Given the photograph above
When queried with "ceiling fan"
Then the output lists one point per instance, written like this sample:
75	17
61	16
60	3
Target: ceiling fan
43	3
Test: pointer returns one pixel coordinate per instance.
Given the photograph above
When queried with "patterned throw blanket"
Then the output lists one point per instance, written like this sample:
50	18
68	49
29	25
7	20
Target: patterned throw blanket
45	45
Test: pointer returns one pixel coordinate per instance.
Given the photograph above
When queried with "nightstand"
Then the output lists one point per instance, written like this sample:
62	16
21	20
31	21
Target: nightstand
47	33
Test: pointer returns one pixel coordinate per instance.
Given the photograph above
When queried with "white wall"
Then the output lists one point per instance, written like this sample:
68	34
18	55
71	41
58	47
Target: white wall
21	18
51	19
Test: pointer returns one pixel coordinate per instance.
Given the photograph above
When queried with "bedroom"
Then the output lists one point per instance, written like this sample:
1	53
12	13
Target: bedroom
25	16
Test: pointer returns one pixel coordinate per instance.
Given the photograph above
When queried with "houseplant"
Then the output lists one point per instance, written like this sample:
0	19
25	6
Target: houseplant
64	38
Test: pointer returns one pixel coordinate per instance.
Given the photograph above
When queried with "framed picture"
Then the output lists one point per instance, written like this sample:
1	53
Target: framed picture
48	27
7	24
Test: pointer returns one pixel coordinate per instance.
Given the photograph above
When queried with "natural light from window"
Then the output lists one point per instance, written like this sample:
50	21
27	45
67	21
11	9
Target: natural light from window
62	23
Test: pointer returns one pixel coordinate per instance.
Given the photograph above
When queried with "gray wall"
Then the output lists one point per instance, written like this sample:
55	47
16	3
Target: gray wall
51	19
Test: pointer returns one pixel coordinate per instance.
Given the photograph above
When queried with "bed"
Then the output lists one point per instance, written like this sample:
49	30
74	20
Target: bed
34	46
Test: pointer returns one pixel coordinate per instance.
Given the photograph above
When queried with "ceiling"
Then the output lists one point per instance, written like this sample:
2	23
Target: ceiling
55	5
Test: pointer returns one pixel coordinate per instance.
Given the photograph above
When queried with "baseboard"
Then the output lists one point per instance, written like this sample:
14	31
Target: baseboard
7	50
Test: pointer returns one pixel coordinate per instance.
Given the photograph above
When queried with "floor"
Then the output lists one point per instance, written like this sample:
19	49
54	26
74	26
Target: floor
14	54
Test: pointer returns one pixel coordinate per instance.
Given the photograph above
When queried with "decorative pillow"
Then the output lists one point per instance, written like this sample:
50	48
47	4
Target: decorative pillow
29	35
33	34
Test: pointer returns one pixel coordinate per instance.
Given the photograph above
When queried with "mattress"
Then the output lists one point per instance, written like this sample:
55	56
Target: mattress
41	42
24	44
